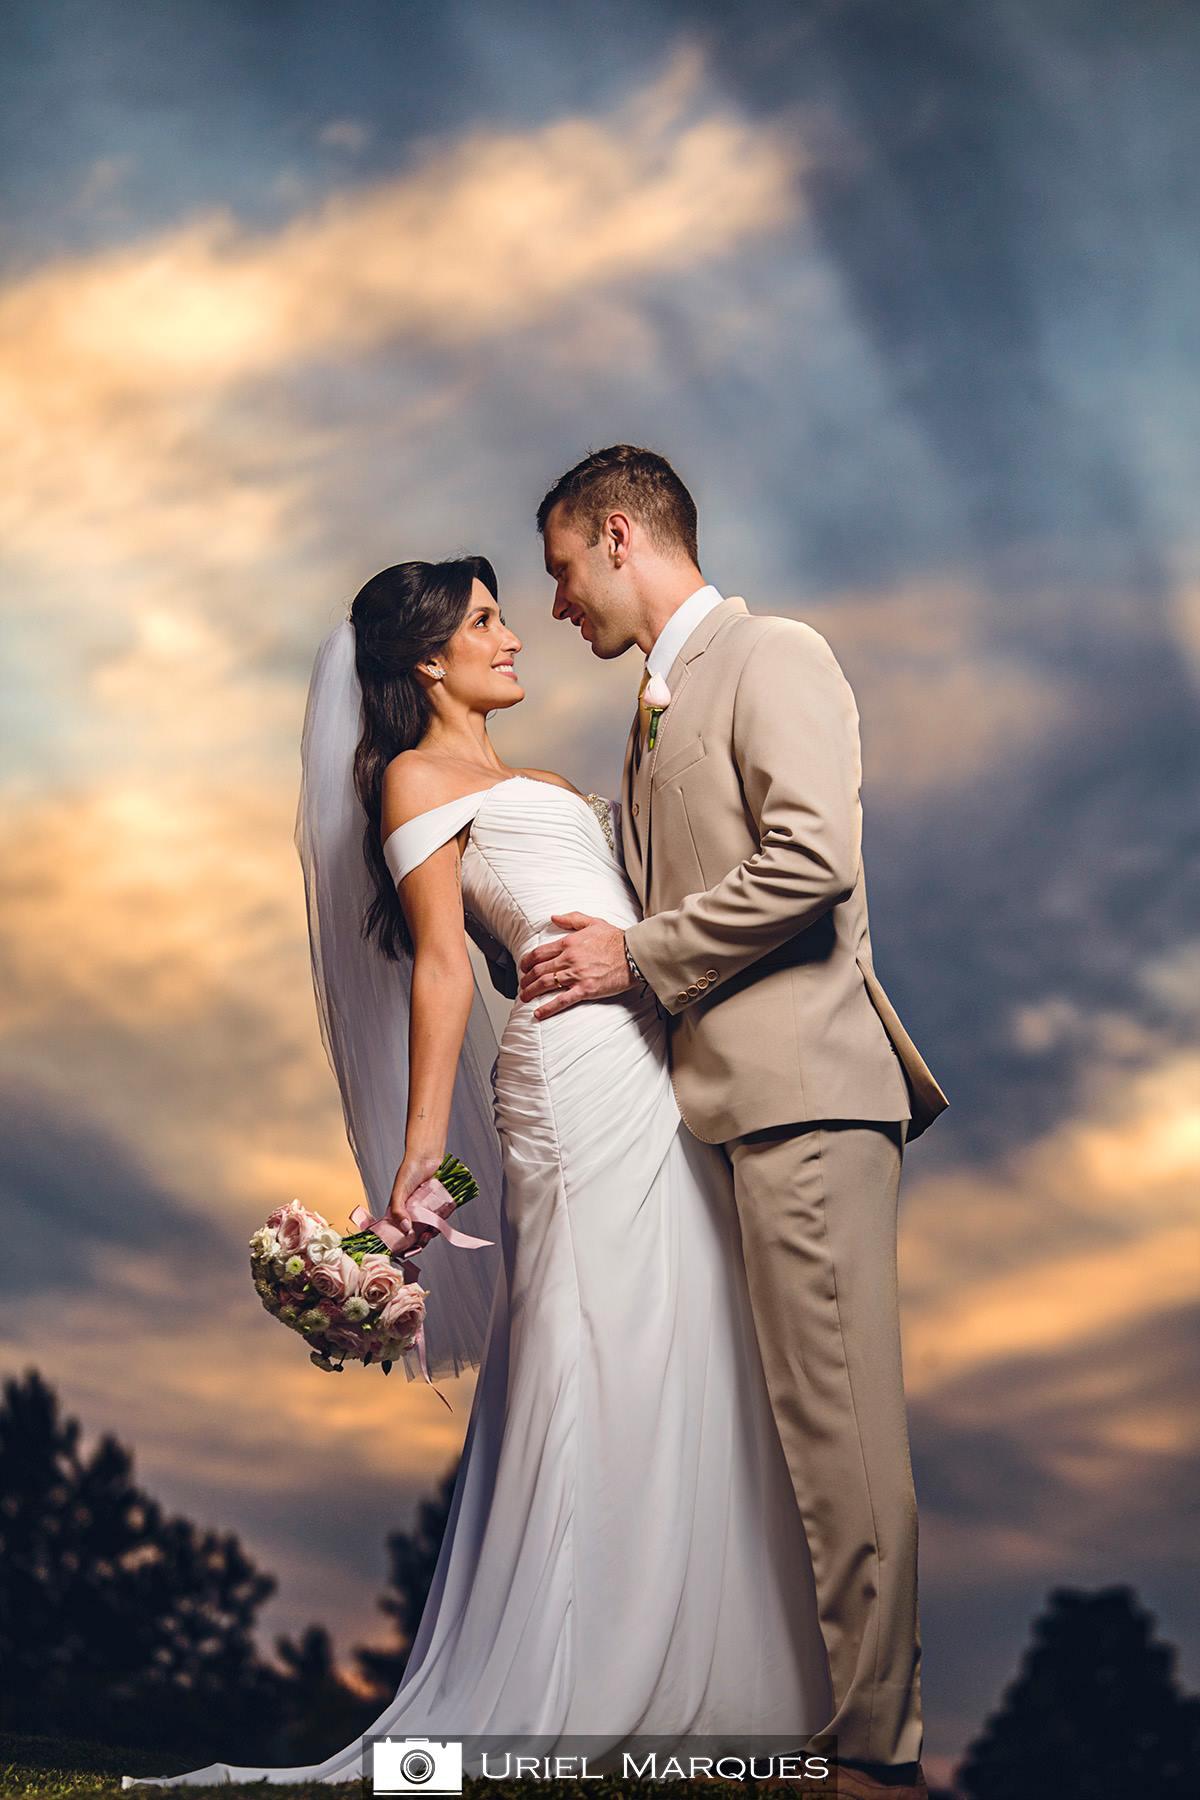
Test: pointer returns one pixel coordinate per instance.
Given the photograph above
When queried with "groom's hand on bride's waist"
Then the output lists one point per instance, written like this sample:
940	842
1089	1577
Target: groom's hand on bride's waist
590	964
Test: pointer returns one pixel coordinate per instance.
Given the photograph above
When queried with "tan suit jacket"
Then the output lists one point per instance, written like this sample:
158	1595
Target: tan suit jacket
742	834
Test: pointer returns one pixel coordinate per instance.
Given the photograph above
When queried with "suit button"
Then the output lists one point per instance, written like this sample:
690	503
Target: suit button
712	974
681	996
692	989
636	809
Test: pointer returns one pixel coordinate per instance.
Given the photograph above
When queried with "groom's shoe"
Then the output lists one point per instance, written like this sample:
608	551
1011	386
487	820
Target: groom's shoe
879	1781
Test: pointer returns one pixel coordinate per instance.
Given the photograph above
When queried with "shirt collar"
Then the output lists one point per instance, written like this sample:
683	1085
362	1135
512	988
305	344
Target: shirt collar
679	628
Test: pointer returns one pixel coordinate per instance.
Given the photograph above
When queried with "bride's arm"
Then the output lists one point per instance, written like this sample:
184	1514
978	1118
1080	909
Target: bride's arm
443	987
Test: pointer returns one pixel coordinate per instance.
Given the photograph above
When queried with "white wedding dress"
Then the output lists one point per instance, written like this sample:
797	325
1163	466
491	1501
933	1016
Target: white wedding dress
623	1554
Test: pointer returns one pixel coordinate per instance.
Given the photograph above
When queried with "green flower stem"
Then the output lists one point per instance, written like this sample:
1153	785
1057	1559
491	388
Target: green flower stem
458	1182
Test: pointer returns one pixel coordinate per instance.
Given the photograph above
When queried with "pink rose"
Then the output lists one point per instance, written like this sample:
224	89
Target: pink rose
344	1340
296	1226
335	1281
379	1280
403	1313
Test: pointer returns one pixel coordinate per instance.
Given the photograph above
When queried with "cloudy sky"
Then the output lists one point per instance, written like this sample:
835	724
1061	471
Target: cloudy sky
910	298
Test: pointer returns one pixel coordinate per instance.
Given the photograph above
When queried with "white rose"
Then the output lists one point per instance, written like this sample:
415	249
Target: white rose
324	1246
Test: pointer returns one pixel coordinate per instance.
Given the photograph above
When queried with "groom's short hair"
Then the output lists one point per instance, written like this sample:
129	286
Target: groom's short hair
628	479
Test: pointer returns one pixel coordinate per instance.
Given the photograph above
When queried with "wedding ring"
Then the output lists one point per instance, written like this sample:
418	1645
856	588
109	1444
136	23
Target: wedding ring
561	980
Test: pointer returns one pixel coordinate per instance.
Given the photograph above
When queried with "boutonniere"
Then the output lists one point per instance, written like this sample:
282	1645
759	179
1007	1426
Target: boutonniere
657	697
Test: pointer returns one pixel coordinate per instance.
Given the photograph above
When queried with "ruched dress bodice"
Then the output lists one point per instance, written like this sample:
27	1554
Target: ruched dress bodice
537	850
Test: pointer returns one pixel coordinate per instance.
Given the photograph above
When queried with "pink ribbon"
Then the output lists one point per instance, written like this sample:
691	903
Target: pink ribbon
443	1204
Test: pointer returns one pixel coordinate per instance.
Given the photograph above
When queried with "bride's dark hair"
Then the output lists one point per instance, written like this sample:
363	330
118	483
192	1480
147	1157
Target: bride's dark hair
401	617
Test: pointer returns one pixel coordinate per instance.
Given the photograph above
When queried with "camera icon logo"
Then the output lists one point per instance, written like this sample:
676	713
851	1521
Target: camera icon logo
416	1766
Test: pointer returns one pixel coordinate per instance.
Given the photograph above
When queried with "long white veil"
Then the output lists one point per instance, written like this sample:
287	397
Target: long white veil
363	1005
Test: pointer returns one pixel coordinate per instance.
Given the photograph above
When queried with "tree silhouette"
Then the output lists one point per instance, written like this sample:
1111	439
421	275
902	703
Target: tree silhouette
1094	1712
121	1623
413	1560
111	1614
324	1713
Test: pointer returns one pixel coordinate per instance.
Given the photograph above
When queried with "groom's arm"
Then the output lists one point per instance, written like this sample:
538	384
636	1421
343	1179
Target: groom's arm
796	747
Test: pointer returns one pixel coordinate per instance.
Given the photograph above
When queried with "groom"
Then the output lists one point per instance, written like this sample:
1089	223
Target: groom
741	830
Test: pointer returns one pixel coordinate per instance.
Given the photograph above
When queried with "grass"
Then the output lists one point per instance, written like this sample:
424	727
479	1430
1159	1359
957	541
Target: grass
58	1768
45	1768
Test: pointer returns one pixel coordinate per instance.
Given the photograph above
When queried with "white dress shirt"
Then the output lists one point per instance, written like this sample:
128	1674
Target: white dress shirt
679	628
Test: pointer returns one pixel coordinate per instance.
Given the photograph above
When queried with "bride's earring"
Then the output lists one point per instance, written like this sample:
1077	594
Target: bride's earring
438	674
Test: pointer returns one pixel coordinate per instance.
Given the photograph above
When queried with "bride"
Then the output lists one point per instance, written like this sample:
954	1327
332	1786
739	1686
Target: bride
623	1554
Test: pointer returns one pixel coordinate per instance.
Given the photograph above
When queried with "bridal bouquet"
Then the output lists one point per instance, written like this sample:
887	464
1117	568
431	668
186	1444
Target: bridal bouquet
356	1297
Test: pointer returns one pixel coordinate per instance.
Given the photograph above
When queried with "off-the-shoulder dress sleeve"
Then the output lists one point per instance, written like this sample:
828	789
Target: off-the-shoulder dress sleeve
416	840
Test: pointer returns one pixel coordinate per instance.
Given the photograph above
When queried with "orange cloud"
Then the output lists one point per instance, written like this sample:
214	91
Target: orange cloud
1080	1234
116	367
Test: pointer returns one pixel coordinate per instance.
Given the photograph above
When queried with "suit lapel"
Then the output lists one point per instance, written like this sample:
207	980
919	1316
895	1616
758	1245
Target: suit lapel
677	680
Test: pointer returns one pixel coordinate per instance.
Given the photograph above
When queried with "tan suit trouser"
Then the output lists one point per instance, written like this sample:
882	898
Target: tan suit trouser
817	1204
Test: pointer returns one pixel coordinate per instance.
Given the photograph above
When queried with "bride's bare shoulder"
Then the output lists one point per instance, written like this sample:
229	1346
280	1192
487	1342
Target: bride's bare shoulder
415	783
550	775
